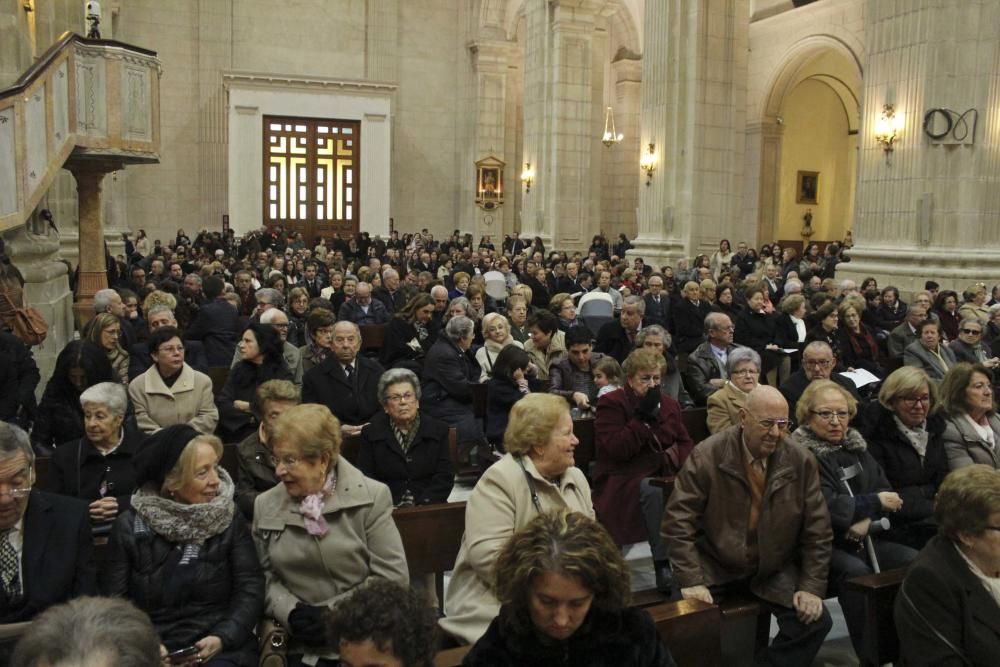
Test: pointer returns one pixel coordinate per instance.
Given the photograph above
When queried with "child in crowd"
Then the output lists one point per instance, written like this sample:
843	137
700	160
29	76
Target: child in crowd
607	375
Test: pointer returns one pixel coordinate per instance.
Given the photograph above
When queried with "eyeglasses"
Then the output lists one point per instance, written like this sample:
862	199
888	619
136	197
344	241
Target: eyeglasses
913	400
287	461
649	379
749	372
818	363
17	494
831	416
768	424
277	325
729	329
172	349
972	332
399	398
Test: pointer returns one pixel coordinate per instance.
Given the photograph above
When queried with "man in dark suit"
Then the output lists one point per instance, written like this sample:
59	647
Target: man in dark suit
363	309
46	544
657	303
617	337
312	281
346	382
817	364
706	370
391	294
742	259
687	318
516	245
217	325
773	284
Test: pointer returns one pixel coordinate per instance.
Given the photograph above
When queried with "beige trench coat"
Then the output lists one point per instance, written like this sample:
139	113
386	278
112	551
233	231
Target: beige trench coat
188	401
362	544
500	505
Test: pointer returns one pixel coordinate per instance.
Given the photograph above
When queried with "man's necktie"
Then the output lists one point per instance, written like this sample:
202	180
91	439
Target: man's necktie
9	566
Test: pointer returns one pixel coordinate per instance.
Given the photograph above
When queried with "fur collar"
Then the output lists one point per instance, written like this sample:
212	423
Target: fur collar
853	442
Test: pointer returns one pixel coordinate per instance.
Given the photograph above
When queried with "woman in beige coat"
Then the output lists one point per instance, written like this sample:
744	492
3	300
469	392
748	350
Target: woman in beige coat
325	530
743	367
536	475
171	392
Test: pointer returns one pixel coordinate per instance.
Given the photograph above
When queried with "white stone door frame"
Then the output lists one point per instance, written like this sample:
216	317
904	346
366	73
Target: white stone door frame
253	96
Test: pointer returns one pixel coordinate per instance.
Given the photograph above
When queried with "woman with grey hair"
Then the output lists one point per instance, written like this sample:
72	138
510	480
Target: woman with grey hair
98	467
461	306
405	449
448	376
724	405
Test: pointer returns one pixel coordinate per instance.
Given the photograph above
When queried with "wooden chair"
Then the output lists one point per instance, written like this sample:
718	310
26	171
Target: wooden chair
692	630
218	375
879	591
372	338
350	448
696	423
432	537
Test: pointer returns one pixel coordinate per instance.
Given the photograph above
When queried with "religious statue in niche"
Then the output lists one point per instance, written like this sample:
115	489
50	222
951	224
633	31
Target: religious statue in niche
808	188
489	183
807	220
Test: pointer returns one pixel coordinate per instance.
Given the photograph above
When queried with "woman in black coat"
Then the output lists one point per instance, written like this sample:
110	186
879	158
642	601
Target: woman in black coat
448	376
261	359
510	383
410	334
59	417
183	554
907	398
586	621
758	330
99	465
827	327
406	450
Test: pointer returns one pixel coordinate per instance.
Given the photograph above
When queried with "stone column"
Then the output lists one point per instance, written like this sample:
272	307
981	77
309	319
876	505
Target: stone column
89	175
693	110
931	208
620	189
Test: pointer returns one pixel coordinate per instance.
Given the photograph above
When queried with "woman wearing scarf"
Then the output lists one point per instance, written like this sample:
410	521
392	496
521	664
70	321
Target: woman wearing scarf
858	345
410	334
184	555
496	337
318	336
325	530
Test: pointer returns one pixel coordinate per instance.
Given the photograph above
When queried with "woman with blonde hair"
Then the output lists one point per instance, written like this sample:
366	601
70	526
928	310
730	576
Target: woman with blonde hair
536	475
105	331
159	298
496	336
322	532
564	590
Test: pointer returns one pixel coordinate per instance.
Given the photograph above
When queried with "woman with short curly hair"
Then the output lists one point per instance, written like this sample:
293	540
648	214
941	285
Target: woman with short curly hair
564	590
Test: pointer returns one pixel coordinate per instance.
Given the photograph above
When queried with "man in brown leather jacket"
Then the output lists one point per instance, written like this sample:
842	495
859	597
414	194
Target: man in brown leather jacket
747	515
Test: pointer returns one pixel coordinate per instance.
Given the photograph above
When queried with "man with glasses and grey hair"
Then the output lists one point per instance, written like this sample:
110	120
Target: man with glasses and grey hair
747	516
706	368
46	544
818	363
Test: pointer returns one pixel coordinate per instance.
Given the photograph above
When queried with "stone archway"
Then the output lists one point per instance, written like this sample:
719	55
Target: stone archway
809	122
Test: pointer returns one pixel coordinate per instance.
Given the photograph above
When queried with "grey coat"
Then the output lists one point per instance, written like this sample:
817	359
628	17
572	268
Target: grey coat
918	356
964	446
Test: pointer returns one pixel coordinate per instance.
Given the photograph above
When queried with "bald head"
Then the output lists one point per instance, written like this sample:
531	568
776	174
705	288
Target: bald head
764	420
764	397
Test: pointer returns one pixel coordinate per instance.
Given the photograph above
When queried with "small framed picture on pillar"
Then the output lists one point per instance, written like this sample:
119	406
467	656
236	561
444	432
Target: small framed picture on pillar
807	187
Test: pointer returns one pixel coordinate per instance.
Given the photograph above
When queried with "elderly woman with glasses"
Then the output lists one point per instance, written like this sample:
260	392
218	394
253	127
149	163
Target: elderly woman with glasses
969	346
321	533
404	449
639	434
171	392
496	330
724	405
972	434
856	503
947	607
104	331
98	467
905	435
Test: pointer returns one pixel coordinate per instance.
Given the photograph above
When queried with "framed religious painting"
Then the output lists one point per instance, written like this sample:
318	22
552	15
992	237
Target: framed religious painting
489	182
807	187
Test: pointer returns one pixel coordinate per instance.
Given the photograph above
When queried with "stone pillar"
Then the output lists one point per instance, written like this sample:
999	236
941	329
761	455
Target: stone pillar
559	119
693	110
46	287
931	208
89	175
620	189
491	60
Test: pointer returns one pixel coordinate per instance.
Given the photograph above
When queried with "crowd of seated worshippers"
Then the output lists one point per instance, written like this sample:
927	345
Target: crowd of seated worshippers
229	344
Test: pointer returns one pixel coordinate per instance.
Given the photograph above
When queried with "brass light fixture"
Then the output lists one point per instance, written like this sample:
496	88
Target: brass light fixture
527	176
648	163
611	135
887	128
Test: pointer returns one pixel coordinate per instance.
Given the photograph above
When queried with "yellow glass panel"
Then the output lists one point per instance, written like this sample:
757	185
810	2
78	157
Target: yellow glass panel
298	146
280	147
342	167
326	146
282	184
342	149
324	167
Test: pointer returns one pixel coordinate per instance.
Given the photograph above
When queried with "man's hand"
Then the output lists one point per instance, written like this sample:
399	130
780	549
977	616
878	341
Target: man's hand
808	607
697	593
104	509
348	429
857	532
208	648
718	383
242	406
581	400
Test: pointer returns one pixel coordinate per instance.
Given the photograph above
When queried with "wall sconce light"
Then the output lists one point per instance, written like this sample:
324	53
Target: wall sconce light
527	176
887	128
648	163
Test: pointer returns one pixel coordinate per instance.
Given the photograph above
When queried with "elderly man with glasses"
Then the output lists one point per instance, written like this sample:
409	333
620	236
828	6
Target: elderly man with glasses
747	516
45	540
818	363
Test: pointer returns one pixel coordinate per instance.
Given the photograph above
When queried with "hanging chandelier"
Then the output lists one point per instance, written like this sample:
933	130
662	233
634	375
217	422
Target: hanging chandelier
611	136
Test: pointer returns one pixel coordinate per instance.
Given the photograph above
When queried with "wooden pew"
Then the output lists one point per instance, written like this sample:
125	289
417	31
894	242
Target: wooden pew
218	375
691	629
432	537
879	591
586	451
696	423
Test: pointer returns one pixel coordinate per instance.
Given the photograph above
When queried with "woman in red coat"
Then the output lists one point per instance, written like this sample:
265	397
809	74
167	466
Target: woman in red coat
640	434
